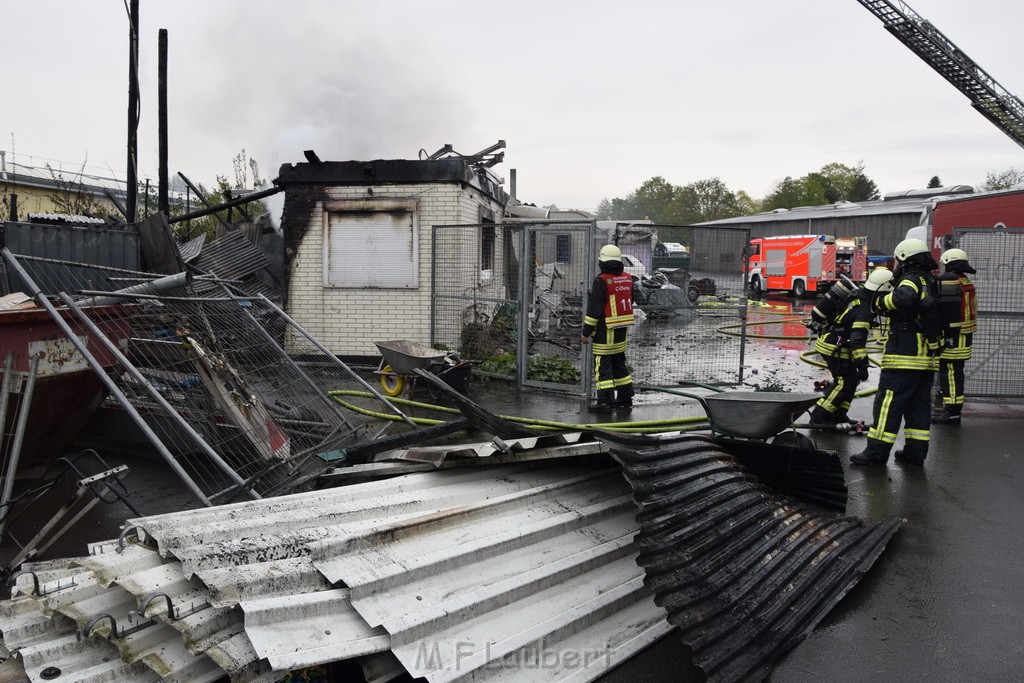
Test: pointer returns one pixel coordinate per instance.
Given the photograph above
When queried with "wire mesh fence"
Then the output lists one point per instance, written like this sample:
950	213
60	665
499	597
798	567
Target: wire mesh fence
690	320
225	385
695	332
996	368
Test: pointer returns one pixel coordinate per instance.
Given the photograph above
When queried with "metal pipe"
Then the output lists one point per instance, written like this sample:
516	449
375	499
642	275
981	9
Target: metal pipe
151	287
101	373
345	367
19	439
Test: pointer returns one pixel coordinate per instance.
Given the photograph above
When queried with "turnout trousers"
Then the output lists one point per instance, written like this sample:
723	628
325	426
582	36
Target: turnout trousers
611	374
844	385
903	396
951	381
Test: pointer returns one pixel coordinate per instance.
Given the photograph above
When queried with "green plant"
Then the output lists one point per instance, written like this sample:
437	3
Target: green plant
538	368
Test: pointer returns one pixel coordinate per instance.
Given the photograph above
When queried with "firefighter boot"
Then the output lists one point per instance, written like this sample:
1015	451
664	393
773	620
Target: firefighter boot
949	415
912	454
822	418
871	455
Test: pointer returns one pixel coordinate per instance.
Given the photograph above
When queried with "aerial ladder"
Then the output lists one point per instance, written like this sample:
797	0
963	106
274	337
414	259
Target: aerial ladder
991	99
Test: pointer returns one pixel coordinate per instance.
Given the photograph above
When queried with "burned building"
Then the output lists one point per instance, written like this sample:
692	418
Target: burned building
358	242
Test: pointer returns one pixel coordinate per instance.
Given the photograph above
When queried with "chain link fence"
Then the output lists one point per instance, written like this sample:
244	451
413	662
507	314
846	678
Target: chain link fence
996	368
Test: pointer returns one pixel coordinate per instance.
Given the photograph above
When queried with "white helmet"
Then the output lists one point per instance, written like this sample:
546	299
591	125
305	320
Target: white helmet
880	280
609	252
908	248
951	255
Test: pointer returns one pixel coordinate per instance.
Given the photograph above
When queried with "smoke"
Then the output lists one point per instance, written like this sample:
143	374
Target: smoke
279	85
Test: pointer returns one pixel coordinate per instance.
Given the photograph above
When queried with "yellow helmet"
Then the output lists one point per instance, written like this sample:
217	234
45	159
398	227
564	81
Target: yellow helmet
609	252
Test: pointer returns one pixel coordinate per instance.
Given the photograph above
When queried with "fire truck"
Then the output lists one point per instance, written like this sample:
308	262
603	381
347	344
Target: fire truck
805	263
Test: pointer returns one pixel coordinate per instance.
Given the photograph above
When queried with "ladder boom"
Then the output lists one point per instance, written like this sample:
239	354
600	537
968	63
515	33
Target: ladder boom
994	102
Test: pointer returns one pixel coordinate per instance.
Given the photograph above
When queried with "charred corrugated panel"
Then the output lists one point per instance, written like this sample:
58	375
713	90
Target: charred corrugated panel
744	572
232	256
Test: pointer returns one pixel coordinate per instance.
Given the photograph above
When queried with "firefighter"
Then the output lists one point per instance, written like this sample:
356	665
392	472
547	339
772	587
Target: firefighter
842	342
909	360
958	308
609	313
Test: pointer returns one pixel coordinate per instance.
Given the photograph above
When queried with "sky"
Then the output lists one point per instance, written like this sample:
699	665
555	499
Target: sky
592	97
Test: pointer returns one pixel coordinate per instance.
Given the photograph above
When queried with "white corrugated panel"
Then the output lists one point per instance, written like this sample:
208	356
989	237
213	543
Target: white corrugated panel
460	573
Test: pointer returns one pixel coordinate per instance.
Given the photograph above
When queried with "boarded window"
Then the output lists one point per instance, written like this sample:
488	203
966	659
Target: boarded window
371	244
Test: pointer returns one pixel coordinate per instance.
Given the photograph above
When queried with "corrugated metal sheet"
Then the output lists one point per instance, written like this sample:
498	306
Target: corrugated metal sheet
461	574
88	245
743	572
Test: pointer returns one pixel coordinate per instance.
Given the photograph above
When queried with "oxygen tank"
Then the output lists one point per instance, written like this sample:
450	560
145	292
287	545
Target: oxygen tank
832	304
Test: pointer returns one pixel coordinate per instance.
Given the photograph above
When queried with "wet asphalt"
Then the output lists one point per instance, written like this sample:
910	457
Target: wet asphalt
942	603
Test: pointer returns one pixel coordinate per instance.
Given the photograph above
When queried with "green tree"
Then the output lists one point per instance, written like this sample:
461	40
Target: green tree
791	192
706	200
934	182
863	190
1002	180
746	204
652	200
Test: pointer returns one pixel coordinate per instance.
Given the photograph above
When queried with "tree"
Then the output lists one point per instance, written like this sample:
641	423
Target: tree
71	196
652	200
706	200
1002	180
747	205
863	190
247	177
791	192
934	182
832	183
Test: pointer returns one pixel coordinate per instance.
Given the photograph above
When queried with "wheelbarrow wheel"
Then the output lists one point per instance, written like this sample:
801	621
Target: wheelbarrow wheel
392	384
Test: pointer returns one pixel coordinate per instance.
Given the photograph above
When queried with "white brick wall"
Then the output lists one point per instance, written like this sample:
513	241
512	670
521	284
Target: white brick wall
349	321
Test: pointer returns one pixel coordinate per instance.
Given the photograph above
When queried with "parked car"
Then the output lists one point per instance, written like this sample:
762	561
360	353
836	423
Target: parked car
633	266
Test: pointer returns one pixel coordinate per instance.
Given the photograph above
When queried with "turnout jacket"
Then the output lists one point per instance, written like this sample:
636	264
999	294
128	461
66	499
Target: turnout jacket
915	330
958	304
847	336
609	308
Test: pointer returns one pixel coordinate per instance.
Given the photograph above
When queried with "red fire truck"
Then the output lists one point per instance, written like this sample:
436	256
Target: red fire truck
805	263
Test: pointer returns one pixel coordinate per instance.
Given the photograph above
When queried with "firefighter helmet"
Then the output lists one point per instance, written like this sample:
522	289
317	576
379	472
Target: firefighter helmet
609	252
880	280
956	259
909	247
951	255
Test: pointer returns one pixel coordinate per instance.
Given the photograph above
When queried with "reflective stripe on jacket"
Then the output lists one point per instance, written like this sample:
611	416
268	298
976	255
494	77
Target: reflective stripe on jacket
912	310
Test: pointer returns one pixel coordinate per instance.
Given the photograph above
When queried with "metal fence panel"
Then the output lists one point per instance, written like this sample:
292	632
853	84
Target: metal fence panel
486	291
996	368
691	324
695	333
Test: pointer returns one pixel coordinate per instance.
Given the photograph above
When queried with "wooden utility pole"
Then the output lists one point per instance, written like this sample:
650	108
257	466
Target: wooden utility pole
132	198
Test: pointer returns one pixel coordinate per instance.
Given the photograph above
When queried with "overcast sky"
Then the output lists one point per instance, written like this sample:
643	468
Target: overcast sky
593	97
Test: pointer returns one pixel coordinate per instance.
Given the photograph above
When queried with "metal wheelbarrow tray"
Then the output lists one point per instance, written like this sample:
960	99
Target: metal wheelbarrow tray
405	356
755	414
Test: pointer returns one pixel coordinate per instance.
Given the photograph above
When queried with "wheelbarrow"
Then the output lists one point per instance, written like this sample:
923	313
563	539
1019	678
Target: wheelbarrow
401	358
757	415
